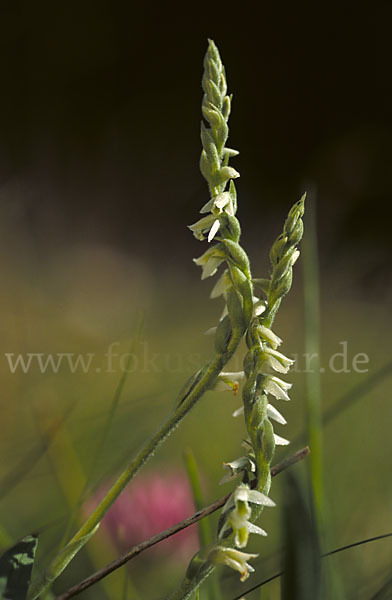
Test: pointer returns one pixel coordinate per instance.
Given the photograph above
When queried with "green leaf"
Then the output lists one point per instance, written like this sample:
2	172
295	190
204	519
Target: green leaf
16	565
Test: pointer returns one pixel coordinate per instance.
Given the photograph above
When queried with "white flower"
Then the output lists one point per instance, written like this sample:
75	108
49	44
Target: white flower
277	361
238	518
219	203
210	223
242	527
277	387
269	336
237	466
210	261
234	559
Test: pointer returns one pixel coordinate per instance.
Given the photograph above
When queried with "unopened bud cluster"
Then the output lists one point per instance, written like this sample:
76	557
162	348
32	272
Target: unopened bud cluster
221	225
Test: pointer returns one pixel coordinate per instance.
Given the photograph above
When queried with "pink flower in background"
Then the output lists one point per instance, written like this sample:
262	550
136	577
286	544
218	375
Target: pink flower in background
148	505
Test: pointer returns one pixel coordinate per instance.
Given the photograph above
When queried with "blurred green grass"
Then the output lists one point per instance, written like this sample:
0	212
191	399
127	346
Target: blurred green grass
84	298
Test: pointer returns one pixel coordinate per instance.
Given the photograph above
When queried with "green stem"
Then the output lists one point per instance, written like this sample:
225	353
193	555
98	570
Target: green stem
44	580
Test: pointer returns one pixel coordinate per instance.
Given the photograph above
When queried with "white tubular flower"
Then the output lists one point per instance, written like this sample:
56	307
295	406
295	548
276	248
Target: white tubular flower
269	336
276	387
234	559
236	467
219	203
228	382
209	261
274	414
277	361
238	518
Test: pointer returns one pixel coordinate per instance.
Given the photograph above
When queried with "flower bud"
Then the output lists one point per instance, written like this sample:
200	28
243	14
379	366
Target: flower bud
277	248
234	307
209	147
268	441
238	256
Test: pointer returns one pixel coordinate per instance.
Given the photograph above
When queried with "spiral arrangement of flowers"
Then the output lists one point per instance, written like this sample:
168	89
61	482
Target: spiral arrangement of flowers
246	313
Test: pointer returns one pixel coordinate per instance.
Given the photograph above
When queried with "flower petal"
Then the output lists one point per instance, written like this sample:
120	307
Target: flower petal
271	386
202	224
211	267
222	200
233	558
285	385
214	230
255	529
280	441
208	206
269	336
259	498
275	415
278	361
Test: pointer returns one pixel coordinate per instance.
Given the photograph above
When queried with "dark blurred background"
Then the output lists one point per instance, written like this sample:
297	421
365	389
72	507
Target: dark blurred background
99	150
100	110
